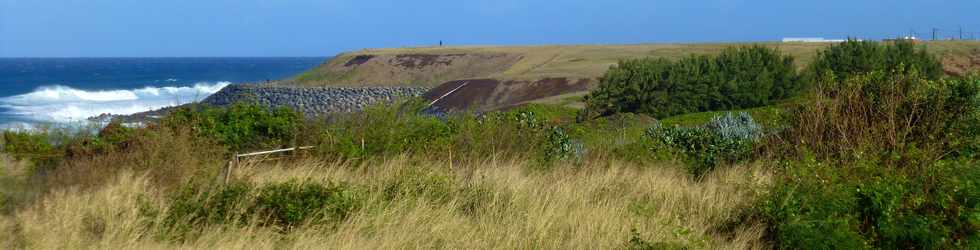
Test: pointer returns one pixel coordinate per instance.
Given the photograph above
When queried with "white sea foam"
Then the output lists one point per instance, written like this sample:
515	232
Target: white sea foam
61	104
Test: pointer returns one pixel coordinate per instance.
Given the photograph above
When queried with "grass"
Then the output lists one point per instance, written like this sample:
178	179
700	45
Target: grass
483	205
836	172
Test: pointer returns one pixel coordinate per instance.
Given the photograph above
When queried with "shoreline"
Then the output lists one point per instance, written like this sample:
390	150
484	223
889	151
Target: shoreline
310	101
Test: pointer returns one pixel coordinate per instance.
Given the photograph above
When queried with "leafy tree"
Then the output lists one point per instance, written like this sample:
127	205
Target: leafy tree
841	61
737	78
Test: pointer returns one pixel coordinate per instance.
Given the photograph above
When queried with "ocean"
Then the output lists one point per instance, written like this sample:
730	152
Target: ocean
59	91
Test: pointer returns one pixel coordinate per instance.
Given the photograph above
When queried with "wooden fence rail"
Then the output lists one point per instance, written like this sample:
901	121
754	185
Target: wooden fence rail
236	159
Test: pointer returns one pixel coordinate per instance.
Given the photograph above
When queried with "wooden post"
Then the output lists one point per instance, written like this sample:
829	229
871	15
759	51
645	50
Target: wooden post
231	167
224	172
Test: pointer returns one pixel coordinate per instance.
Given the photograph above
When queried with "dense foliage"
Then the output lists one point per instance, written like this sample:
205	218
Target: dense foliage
282	205
885	115
737	78
847	59
879	166
864	205
242	126
725	139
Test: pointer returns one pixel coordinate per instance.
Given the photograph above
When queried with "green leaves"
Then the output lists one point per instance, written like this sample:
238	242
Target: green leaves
737	78
241	126
726	139
282	205
851	58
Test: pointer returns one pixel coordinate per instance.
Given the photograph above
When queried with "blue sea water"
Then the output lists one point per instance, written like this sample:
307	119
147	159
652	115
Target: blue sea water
69	90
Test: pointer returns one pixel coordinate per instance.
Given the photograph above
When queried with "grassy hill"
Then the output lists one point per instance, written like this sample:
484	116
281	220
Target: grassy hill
433	66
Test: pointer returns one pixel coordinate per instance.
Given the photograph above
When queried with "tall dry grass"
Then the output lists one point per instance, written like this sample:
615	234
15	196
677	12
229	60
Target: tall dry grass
426	204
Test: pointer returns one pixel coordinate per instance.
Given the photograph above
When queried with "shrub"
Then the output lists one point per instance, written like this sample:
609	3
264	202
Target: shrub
726	139
169	157
558	146
820	206
290	204
892	115
851	58
886	163
418	182
34	146
382	130
636	242
737	78
735	128
241	126
282	205
388	130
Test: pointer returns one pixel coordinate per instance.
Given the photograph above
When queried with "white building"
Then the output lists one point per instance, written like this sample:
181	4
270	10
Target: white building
811	40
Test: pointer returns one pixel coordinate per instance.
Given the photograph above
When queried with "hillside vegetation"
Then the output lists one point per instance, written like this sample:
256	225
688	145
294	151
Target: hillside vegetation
879	158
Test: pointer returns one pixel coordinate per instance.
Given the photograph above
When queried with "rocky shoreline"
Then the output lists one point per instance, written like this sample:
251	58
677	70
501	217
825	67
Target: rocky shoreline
311	101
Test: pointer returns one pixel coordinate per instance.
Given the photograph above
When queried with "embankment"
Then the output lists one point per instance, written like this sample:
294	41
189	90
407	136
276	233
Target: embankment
312	101
532	70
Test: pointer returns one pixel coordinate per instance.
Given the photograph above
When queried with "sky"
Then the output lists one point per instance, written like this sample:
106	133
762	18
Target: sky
214	28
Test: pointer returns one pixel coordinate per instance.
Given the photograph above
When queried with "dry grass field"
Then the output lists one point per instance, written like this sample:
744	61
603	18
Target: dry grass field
498	205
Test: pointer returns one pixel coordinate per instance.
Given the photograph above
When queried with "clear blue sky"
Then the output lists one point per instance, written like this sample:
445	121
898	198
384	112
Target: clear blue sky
133	28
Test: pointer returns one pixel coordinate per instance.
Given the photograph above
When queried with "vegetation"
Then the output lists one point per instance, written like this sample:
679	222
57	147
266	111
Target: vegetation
737	78
878	167
877	159
844	60
571	61
241	126
724	140
283	206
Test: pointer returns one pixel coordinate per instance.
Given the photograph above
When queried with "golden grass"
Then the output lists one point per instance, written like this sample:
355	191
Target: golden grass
500	205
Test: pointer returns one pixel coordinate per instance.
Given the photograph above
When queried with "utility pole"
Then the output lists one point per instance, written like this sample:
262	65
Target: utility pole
934	31
961	32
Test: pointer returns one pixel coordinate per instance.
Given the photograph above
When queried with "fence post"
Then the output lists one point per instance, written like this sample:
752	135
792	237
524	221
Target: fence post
232	164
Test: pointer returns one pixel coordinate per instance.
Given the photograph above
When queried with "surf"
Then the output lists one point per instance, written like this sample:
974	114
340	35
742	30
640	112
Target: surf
65	104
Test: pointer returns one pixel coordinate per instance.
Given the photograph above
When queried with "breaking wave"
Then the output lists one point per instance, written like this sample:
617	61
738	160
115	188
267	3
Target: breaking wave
62	104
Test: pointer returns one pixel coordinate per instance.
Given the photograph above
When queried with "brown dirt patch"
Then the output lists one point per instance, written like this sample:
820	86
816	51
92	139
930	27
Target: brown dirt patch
419	61
358	60
959	65
490	94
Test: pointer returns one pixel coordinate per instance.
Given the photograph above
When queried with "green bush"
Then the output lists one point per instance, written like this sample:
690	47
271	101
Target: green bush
884	162
558	147
381	131
867	206
385	130
290	204
113	137
418	182
34	146
636	242
899	116
241	126
726	139
851	58
737	78
283	205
